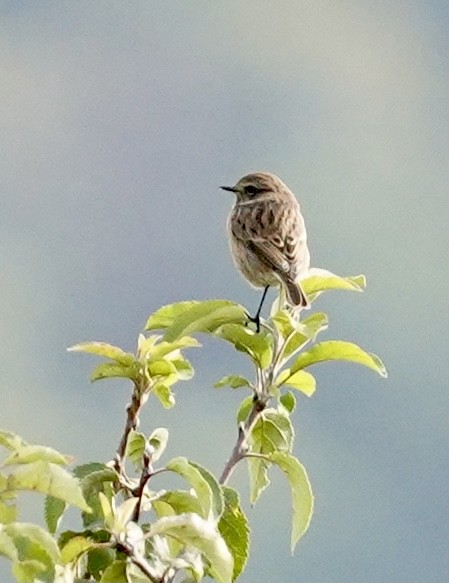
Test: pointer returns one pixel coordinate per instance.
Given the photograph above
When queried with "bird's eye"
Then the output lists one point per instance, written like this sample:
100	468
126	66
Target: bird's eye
251	189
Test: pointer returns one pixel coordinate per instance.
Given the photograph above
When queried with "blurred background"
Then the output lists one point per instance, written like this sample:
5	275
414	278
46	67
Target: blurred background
118	123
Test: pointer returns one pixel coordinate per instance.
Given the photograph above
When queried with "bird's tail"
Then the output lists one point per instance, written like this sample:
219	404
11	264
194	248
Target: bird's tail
295	294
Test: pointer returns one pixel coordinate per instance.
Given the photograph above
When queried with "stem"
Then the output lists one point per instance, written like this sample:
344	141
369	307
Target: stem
264	378
132	422
140	562
239	450
145	476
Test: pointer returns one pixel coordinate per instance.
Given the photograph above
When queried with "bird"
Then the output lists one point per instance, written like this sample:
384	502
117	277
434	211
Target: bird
268	238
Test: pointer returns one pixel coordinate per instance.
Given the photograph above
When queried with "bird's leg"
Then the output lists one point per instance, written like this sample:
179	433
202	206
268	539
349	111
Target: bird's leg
256	318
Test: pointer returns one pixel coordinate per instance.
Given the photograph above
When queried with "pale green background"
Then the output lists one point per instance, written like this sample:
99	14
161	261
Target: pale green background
119	120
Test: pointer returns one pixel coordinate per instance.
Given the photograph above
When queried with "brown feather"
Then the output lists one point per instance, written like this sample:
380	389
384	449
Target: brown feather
268	236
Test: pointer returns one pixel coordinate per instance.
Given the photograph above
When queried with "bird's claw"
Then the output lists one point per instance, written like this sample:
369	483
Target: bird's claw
254	319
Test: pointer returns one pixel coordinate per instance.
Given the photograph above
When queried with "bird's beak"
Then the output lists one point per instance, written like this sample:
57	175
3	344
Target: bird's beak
229	188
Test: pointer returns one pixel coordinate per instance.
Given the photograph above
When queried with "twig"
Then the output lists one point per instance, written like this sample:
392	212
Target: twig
140	562
264	379
132	421
147	472
239	451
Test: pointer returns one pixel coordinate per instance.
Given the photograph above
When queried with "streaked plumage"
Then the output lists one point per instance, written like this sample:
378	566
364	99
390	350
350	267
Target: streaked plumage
267	235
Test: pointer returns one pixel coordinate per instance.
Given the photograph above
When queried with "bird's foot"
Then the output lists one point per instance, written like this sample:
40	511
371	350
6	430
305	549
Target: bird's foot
255	320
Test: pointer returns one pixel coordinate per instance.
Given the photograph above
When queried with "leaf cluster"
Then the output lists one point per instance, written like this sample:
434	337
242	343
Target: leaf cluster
130	530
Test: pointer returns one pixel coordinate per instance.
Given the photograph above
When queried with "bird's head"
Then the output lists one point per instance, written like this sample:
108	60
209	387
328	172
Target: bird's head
258	186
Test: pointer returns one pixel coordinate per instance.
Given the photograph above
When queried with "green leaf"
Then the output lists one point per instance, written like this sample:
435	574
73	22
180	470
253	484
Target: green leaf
322	280
167	315
301	491
164	394
194	476
124	513
288	401
158	441
234	529
11	440
106	350
92	495
284	322
295	342
259	345
168	349
53	511
85	470
95	478
99	560
217	493
48	478
137	443
115	572
75	547
33	542
205	317
98	536
26	454
135	448
145	345
28	571
234	381
183	368
314	324
8	508
176	502
338	350
162	369
110	370
244	409
104	475
301	380
272	432
7	547
8	512
304	332
193	531
107	509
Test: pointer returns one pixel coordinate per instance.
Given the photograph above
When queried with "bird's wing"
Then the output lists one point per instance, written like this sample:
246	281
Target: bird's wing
270	253
273	235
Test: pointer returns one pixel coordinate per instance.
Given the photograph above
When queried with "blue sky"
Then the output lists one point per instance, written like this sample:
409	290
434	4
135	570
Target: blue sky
118	123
